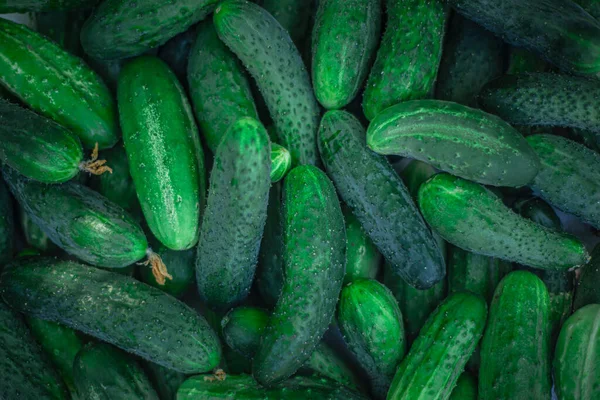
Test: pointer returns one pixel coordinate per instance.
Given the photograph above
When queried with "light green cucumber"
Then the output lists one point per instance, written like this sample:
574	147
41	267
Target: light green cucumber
7	225
362	257
465	389
588	290
281	162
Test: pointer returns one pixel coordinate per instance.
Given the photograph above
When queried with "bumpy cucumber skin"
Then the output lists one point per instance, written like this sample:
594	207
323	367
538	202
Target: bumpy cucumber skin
408	58
57	84
472	57
379	200
219	87
165	156
23	6
235	216
26	372
314	254
176	52
362	257
117	29
181	267
292	15
465	389
281	162
267	51
588	291
465	141
570	176
99	303
7	226
166	381
344	39
544	99
371	322
471	217
438	356
80	221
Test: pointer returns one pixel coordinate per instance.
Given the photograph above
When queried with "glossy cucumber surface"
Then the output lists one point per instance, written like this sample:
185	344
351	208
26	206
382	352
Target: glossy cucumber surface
281	162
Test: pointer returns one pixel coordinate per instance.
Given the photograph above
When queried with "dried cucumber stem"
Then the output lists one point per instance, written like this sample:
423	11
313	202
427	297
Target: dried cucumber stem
93	165
159	269
219	375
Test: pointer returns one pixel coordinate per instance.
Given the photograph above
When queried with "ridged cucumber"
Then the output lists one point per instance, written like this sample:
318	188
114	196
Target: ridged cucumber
362	257
181	267
379	200
461	140
165	381
267	51
515	350
292	15
471	217
465	389
281	162
314	255
7	225
588	290
22	6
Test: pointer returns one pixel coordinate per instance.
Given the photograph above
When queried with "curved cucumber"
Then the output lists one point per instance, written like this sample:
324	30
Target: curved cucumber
440	353
164	151
409	56
379	200
235	216
473	218
281	162
465	389
7	225
292	15
166	381
267	51
362	257
23	6
345	37
314	254
588	290
181	268
515	349
461	140
57	84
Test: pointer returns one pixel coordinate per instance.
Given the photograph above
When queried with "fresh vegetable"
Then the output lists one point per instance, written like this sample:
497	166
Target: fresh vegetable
587	290
281	161
362	257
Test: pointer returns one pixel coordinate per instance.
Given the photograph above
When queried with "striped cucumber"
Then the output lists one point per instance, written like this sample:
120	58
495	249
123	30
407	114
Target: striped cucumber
181	268
587	290
165	381
465	389
461	140
292	15
379	200
267	51
7	225
22	6
362	257
281	162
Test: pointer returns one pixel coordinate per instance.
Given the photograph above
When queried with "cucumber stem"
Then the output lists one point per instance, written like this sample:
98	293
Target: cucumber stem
93	165
159	269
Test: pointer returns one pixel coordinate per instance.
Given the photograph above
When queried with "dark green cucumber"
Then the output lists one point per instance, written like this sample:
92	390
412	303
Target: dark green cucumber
292	15
465	389
267	51
544	99
362	257
176	53
34	236
522	61
409	56
235	216
26	371
181	268
99	303
165	156
557	30
538	211
464	141
515	350
23	6
104	372
62	27
377	197
57	84
588	290
166	381
371	323
440	353
345	37
7	225
471	58
219	87
471	217
281	162
314	255
121	29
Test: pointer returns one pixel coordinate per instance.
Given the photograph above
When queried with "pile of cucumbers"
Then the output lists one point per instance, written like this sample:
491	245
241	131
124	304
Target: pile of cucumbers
300	199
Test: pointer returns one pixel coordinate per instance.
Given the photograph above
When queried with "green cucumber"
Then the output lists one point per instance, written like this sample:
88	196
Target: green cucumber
538	211
465	389
166	381
577	356
235	216
23	6
461	140
559	31
176	53
281	162
99	303
471	217
377	197
345	37
270	56
63	28
120	29
371	323
26	371
591	6
362	257
57	84
314	255
181	268
219	87
472	57
34	236
104	372
522	61
292	15
7	228
409	56
588	290
515	350
440	353
165	156
414	174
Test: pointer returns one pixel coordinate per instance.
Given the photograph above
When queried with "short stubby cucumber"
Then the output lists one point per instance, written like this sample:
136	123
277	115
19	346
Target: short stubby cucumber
440	353
267	51
121	29
473	218
465	389
163	147
23	6
57	84
181	267
559	31
219	86
314	253
281	162
293	15
362	257
344	40
235	216
100	303
515	350
461	140
377	197
409	56
588	290
7	225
